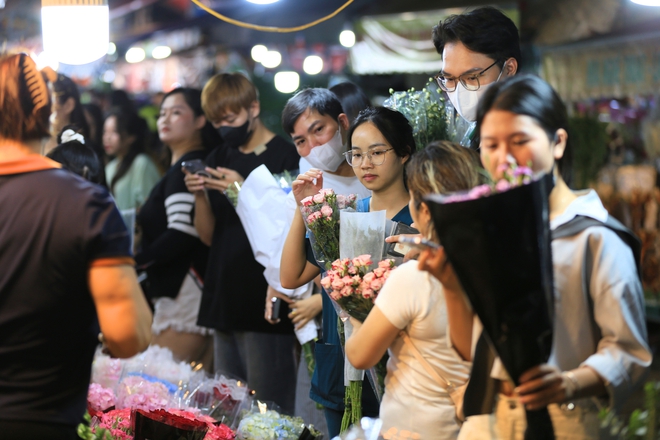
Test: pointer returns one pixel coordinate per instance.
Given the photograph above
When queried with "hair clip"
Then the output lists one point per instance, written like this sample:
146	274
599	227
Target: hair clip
35	83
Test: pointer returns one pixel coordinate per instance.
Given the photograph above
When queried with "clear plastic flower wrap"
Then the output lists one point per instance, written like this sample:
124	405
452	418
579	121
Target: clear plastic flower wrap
222	397
368	429
106	371
425	110
321	216
265	422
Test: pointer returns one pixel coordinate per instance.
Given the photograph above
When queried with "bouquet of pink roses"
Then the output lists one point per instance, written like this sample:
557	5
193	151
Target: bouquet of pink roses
321	215
353	286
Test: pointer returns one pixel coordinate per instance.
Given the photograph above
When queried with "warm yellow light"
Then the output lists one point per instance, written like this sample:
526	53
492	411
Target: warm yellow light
347	38
161	52
258	52
135	55
75	34
313	65
287	82
271	59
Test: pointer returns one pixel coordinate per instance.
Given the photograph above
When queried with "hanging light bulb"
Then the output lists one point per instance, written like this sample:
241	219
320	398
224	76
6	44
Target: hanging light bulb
75	32
347	38
271	59
647	2
286	82
313	64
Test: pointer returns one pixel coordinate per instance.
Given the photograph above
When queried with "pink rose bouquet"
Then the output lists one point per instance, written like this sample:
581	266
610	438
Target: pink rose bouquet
99	398
141	393
354	286
321	215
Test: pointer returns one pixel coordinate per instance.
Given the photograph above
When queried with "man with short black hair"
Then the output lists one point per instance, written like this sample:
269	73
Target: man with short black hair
318	126
478	48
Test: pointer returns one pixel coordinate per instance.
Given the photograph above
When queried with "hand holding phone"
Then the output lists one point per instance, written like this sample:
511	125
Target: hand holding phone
195	166
418	242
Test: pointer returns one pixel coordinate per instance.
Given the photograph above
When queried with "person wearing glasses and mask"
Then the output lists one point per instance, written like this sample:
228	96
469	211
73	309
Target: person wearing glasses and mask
234	287
478	48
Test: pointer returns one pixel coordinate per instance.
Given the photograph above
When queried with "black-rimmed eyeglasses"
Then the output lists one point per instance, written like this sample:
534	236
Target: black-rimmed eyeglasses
469	80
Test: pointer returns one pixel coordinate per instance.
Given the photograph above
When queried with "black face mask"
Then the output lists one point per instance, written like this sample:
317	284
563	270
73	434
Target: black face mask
235	137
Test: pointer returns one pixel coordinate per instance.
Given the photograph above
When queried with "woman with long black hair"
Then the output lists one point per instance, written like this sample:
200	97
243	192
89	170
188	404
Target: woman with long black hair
172	254
131	174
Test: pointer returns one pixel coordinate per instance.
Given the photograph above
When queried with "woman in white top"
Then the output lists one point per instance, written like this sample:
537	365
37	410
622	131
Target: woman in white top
600	347
416	404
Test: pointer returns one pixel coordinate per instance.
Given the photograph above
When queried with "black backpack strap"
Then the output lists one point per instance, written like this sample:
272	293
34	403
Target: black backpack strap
580	223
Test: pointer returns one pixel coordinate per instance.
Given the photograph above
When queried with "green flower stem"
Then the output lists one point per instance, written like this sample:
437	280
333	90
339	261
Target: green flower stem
353	405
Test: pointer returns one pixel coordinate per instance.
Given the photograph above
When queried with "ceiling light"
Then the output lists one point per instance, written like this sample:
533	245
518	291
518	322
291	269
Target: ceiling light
44	59
258	52
161	52
313	64
75	34
271	59
287	82
347	38
135	55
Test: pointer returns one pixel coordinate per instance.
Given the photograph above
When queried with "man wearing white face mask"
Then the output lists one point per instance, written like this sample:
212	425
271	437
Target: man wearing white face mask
478	48
318	126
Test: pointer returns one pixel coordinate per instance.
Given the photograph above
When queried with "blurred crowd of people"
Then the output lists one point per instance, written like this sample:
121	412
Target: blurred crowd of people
72	174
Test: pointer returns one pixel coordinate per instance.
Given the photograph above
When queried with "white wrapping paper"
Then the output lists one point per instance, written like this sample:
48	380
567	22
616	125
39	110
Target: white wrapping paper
266	213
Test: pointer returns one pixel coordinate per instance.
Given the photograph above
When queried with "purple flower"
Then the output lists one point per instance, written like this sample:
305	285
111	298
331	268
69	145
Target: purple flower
479	191
502	186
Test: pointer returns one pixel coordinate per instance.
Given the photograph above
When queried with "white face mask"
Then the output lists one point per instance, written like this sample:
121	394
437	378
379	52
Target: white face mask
327	157
466	101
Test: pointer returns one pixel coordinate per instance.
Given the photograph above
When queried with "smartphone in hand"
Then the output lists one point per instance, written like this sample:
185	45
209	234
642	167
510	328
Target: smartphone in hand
195	166
418	242
277	305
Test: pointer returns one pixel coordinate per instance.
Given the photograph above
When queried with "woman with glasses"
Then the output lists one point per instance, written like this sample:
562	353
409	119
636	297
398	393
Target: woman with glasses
410	318
380	142
478	48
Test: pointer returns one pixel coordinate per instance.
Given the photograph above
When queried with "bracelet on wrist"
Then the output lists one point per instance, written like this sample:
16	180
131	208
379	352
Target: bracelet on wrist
572	385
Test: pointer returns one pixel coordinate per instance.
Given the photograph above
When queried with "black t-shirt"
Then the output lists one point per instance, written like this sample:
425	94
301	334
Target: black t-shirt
234	286
170	243
53	226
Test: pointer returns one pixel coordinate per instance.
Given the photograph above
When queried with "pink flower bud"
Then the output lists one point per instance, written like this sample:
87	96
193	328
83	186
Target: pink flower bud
307	201
337	284
326	211
318	198
376	284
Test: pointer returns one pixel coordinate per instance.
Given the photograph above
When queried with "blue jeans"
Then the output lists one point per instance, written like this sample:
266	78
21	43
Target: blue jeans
265	360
